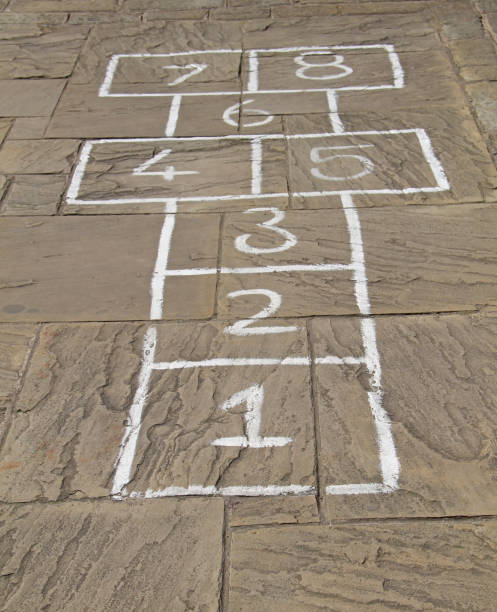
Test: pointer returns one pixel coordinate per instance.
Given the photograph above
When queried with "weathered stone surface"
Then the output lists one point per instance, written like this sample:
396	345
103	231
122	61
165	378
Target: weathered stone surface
271	510
163	15
56	5
34	194
239	14
455	139
68	420
137	5
30	97
438	385
476	59
3	185
112	555
491	23
51	272
417	32
27	18
50	54
184	414
484	97
37	156
378	7
157	37
93	18
458	20
358	567
5	125
28	128
15	343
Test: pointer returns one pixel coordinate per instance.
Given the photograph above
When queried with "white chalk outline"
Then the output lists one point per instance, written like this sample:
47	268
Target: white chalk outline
253	71
388	461
255	141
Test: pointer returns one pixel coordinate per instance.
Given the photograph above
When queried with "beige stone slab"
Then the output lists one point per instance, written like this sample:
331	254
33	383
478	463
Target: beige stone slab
15	342
94	18
30	97
163	15
68	419
108	555
83	113
476	58
67	269
151	37
377	7
137	5
239	14
3	185
438	390
456	142
416	565
37	156
5	126
458	20
417	32
28	128
184	415
188	169
272	510
36	6
34	194
491	23
50	54
33	18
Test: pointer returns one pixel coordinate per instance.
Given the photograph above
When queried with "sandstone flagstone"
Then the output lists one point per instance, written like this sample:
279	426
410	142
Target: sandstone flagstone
30	97
358	566
164	554
34	195
37	156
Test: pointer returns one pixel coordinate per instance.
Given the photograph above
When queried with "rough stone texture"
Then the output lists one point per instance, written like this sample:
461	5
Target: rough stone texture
58	5
239	14
491	23
5	125
49	54
68	420
136	5
34	195
364	567
112	555
161	15
267	510
37	156
29	98
15	344
30	18
183	414
438	384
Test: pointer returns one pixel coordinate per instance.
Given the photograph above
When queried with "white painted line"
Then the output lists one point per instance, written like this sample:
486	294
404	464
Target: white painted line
109	76
256	160
357	255
227	362
389	462
333	360
358	489
260	269
142	168
433	161
253	71
173	115
159	273
250	491
336	122
127	449
228	198
398	71
79	171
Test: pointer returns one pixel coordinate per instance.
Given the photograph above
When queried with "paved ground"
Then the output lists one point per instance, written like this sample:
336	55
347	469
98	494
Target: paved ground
248	305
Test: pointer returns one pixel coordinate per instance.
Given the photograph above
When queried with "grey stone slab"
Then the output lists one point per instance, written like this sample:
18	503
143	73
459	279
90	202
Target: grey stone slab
37	156
483	96
363	567
437	384
68	269
476	58
34	195
50	54
107	555
30	97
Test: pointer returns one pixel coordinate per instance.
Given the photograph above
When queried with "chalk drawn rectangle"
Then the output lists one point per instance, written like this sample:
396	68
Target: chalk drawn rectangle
430	178
194	73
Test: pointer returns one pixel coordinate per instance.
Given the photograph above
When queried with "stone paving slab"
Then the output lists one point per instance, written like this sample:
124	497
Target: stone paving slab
363	567
30	97
102	555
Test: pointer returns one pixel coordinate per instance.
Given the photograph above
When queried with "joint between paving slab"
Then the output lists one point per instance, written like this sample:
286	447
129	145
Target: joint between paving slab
225	559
